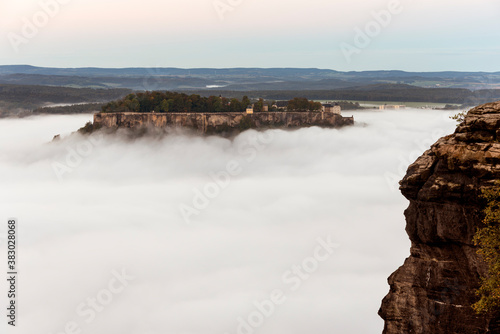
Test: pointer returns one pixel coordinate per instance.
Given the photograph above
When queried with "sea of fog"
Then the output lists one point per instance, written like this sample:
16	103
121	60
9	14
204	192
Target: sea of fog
273	232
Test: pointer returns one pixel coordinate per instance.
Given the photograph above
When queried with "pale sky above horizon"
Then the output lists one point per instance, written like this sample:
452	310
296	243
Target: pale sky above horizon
424	35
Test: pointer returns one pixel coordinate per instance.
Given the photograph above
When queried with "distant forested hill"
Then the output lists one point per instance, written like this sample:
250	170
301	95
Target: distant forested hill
86	108
238	79
15	99
391	92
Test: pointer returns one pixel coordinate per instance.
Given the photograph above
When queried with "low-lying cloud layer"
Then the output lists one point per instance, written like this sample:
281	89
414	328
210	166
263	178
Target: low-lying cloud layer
275	232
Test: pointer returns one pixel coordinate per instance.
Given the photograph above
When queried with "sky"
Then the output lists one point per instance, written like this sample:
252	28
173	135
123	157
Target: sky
304	233
345	35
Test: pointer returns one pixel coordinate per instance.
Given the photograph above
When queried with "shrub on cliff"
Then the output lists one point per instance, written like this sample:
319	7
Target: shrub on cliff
460	117
246	123
88	128
487	239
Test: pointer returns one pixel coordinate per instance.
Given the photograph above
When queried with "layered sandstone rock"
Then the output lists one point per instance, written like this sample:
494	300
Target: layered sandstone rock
434	290
221	122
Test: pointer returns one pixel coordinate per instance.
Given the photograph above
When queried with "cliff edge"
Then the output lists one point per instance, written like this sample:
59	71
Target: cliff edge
434	289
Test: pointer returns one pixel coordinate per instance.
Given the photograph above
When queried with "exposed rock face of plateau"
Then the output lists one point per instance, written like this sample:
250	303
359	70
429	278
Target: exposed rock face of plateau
209	123
434	290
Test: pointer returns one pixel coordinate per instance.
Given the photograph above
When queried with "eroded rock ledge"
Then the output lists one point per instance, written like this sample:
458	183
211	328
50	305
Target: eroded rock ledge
434	290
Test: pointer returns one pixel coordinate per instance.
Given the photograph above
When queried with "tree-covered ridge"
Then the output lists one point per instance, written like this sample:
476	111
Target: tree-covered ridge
85	108
176	103
22	100
36	95
389	93
171	102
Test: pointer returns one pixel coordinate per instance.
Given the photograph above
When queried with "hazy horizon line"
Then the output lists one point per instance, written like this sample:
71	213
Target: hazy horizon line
247	68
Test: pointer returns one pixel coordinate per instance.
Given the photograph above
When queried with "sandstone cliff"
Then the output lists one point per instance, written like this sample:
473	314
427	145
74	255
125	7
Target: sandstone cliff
434	289
210	123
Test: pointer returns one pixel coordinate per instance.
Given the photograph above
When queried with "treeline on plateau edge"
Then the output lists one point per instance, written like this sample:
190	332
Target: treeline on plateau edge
170	102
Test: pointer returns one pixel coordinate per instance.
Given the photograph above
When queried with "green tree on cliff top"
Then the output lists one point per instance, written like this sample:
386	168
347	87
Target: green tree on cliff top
487	239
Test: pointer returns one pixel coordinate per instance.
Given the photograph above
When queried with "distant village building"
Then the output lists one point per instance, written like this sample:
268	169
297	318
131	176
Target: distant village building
392	107
280	105
250	109
333	108
265	108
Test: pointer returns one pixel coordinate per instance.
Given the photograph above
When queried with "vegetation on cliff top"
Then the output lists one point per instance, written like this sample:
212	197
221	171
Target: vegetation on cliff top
170	102
459	117
487	239
89	128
